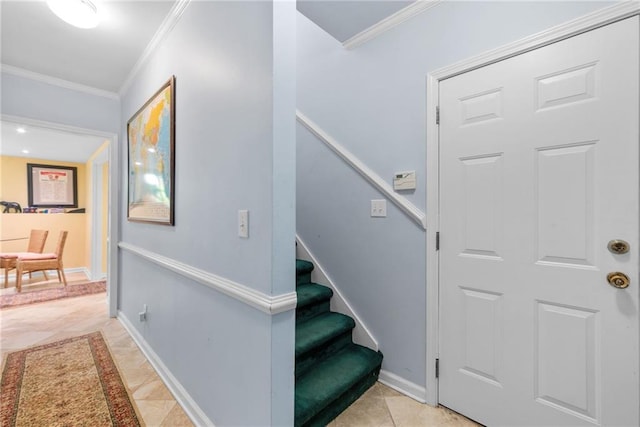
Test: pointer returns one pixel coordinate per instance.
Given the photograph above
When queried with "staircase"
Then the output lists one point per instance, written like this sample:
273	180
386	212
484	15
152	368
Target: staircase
331	371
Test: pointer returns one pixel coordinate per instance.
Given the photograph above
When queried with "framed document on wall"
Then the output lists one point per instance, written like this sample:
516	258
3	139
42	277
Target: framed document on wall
52	186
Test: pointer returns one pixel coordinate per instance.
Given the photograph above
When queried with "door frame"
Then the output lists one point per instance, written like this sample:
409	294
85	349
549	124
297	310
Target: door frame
114	177
97	212
555	34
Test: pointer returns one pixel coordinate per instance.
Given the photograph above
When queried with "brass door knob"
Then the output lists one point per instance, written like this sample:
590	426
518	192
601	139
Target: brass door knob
618	247
618	280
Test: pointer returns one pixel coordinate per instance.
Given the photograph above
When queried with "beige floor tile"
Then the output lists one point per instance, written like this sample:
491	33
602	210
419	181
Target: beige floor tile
177	418
154	412
387	391
135	376
368	411
154	389
409	413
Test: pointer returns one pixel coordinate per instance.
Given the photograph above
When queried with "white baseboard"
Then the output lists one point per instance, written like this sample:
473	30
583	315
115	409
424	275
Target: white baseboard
189	406
403	386
361	334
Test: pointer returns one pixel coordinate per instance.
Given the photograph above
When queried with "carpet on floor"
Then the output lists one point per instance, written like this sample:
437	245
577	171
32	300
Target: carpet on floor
73	382
32	297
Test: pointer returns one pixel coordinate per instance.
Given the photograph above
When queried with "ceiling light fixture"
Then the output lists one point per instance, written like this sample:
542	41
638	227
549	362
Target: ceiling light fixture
21	130
25	151
79	13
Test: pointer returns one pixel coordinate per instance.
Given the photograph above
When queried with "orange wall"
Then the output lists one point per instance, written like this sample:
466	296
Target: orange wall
13	188
13	179
18	226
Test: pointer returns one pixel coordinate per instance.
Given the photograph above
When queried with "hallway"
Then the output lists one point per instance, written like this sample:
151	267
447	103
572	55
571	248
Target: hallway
52	321
42	323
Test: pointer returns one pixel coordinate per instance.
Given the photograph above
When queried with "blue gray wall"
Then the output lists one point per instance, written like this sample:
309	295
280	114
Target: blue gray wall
234	64
372	100
24	97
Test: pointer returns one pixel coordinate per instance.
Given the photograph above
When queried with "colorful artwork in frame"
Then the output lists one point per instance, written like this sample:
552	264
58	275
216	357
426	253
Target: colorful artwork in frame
151	134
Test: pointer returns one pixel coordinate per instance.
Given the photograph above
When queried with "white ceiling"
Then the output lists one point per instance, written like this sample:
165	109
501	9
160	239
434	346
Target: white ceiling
46	144
34	39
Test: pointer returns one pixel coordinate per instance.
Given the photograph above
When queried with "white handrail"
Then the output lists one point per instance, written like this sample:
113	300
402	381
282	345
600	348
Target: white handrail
380	184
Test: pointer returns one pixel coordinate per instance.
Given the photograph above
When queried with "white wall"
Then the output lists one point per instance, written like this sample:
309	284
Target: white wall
372	100
234	149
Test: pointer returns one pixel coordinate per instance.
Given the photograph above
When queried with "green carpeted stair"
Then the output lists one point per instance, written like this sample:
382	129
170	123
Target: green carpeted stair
331	371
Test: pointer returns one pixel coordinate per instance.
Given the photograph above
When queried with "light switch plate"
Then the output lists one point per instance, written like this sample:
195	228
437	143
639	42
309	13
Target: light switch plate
243	223
379	208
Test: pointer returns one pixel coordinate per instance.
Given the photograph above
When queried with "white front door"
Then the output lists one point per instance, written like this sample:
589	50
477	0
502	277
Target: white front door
539	170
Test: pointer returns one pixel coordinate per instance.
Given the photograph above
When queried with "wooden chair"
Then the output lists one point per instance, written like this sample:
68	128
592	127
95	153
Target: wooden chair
41	262
37	239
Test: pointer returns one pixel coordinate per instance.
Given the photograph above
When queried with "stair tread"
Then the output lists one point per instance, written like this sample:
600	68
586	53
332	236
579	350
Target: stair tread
321	329
332	377
310	293
303	266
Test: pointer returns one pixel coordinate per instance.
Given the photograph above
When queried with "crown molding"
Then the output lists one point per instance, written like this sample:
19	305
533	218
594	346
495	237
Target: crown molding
266	303
389	22
54	81
165	28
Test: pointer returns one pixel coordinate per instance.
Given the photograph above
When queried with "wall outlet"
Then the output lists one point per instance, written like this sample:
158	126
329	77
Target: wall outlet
379	208
142	316
243	223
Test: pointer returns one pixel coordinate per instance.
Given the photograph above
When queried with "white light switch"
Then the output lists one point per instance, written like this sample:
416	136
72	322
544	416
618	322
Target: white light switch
243	223
379	208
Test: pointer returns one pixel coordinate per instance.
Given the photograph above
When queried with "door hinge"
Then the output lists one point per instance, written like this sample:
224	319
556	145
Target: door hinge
438	115
437	368
437	240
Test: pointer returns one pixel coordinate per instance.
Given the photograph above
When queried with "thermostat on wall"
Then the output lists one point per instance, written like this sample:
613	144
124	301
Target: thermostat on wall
404	180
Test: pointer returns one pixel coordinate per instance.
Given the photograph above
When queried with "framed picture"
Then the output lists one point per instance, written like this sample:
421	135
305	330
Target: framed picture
52	186
151	135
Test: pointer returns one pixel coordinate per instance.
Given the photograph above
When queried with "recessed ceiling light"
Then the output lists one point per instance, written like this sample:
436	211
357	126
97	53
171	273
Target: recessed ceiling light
79	13
25	151
21	130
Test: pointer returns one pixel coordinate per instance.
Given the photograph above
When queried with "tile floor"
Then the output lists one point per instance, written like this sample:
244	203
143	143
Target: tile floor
36	324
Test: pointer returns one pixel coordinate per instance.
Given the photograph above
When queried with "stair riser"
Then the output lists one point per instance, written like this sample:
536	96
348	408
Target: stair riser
306	313
329	413
308	360
303	278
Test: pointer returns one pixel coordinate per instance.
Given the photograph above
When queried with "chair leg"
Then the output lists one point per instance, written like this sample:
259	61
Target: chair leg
6	277
18	278
45	274
64	278
59	278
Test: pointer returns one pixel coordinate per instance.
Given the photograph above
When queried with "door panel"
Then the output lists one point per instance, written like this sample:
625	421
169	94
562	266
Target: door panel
565	206
539	169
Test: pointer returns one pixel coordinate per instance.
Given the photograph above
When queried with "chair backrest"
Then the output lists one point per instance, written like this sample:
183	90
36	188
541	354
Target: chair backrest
37	239
60	246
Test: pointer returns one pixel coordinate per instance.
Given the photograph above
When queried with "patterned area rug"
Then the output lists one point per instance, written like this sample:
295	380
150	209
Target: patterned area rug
15	300
73	382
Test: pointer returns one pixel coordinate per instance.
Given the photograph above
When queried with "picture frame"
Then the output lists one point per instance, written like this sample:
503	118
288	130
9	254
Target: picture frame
52	186
151	161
